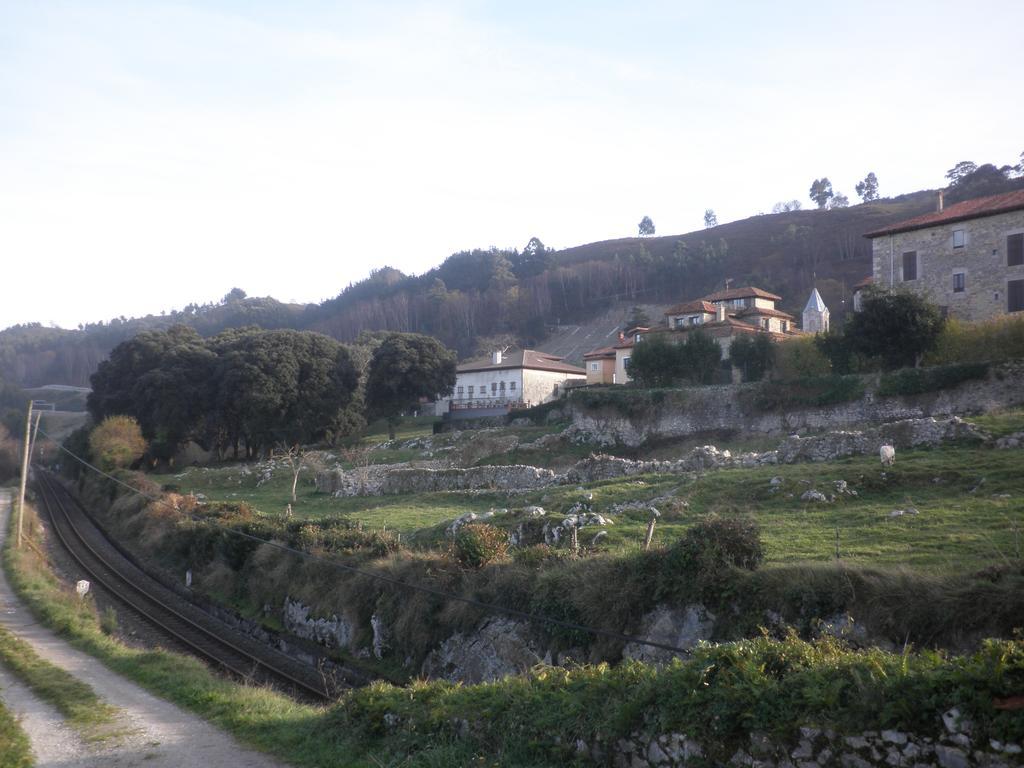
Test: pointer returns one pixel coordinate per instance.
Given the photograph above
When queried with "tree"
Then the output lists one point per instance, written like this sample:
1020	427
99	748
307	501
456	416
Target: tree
897	327
710	220
703	357
657	362
821	192
646	227
235	294
752	355
116	442
534	260
867	189
839	200
406	367
786	207
960	171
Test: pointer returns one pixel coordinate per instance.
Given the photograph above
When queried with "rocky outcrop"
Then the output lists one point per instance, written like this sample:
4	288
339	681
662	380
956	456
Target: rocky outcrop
908	433
676	627
497	648
335	632
387	480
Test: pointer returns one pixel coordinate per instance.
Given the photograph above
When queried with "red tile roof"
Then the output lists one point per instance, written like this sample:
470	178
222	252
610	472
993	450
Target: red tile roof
700	305
741	293
764	311
526	358
864	283
969	209
600	352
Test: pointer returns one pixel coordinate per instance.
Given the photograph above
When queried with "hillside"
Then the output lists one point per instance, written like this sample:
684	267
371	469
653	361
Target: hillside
555	300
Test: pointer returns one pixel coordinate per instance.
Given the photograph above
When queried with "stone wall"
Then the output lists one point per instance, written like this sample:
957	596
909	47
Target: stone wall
387	479
730	408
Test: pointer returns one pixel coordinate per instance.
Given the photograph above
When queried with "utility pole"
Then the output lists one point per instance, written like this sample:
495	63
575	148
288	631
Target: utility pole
24	470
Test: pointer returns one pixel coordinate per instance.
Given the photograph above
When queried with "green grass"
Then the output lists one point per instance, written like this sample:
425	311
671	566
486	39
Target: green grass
1001	423
15	750
75	700
407	428
956	529
719	697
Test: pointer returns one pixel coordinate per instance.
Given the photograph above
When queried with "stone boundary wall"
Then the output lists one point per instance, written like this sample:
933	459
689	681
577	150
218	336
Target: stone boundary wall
386	479
728	408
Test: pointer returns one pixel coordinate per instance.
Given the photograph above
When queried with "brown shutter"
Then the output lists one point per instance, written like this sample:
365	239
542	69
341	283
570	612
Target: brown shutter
1015	296
1015	250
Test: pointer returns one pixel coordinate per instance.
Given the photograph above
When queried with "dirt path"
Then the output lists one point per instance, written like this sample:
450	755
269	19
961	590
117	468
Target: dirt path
157	733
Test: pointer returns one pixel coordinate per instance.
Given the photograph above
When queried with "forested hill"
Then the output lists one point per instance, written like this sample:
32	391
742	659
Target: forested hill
477	298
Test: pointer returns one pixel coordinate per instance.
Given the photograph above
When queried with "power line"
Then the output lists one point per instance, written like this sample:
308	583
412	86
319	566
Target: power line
493	607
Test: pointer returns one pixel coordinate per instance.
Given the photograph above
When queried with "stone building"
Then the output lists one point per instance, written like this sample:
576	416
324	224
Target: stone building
967	258
815	319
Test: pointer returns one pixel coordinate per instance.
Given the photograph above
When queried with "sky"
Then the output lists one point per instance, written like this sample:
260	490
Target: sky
155	154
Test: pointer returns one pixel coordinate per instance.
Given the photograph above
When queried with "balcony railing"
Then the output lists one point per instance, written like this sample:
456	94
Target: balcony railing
490	402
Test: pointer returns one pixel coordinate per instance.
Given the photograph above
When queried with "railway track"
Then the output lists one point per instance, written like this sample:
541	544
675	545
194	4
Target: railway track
193	628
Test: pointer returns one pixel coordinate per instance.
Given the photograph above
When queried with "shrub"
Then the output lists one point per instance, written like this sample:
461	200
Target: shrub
477	544
1001	338
703	562
116	442
798	358
732	541
914	381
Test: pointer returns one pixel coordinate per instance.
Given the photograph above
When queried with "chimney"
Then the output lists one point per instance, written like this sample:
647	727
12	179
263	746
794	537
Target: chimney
496	357
940	206
720	312
622	336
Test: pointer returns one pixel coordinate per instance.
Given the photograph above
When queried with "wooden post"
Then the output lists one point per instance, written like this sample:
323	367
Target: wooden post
24	472
655	514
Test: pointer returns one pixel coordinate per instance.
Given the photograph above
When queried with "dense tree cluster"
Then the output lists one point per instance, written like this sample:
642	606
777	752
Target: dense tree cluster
660	361
243	388
405	368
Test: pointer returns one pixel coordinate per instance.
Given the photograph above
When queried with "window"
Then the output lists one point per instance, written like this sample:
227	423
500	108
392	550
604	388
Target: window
512	385
637	338
471	388
1015	250
679	322
694	319
459	391
625	363
494	389
502	387
910	266
959	282
1015	296
593	366
764	323
958	238
785	326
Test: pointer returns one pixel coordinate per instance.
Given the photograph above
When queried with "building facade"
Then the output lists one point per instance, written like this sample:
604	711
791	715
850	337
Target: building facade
600	366
504	382
967	258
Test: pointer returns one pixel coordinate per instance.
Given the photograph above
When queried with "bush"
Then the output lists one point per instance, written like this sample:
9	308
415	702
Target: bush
999	339
628	401
117	442
814	391
915	381
702	564
734	541
477	544
798	358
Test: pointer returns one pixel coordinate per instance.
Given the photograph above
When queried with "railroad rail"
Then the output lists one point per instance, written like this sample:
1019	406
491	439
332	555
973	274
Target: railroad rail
193	628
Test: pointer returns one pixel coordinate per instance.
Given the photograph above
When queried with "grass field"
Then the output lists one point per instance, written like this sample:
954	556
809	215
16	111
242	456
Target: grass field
970	503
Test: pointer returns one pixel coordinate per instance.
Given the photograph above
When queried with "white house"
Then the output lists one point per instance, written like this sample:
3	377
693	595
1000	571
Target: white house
502	382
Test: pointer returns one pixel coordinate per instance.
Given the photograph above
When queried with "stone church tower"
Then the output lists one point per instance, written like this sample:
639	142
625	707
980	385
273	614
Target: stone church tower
815	314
